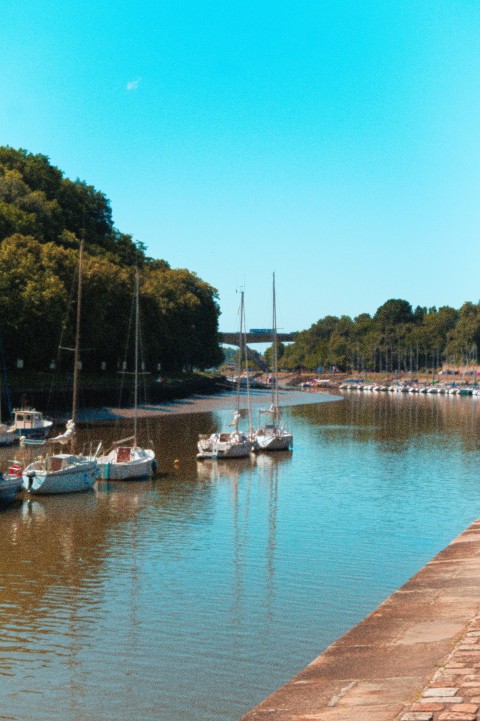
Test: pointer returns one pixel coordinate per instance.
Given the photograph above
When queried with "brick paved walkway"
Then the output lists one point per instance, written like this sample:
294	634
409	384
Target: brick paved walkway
415	658
454	692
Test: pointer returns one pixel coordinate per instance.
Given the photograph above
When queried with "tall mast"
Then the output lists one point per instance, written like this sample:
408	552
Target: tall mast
135	390
240	349
243	326
275	358
76	354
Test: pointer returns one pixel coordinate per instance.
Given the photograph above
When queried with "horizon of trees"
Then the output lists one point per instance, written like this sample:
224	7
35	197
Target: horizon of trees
43	216
396	337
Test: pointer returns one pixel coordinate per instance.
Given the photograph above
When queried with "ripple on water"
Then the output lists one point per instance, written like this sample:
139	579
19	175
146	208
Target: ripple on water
194	596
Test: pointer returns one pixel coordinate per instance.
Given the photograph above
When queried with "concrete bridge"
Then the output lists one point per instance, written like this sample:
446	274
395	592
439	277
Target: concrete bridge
253	337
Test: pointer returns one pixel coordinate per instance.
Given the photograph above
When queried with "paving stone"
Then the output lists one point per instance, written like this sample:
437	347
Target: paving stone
467	707
451	716
417	717
443	699
442	680
427	707
440	691
466	670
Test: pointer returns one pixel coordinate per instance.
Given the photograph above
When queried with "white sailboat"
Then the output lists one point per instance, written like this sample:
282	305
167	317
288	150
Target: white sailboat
64	472
125	462
272	436
235	444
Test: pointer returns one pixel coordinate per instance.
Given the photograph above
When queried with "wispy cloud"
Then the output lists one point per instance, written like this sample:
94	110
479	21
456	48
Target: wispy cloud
133	85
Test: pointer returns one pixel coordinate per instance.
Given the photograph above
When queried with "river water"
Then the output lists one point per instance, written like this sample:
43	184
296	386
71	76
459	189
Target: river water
193	596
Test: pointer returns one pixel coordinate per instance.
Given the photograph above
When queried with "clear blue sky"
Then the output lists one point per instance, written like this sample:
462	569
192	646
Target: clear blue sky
336	143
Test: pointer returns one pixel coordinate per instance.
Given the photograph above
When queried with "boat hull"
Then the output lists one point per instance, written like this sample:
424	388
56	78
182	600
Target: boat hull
8	438
39	432
143	466
223	449
274	442
75	478
9	489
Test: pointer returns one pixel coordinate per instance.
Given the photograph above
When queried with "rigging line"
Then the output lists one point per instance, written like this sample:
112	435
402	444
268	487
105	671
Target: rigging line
127	346
5	378
141	349
63	327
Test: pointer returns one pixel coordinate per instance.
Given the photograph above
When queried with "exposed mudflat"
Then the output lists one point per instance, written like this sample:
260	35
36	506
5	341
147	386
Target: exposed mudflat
205	404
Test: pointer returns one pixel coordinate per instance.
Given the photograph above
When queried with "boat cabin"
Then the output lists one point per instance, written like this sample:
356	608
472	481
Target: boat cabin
59	462
124	454
27	418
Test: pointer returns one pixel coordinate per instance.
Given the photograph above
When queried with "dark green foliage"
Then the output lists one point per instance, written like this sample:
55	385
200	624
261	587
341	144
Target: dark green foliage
43	216
396	338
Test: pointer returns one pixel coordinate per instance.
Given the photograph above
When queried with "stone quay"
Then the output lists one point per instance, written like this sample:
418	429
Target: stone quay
415	658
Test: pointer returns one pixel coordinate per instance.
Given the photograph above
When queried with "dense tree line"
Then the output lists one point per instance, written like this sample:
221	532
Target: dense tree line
396	337
43	216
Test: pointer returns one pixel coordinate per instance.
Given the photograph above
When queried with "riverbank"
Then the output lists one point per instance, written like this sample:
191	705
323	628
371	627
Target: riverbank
51	392
322	381
415	658
203	403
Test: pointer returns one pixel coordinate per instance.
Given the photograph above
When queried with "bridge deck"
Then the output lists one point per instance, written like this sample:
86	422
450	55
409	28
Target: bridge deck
232	338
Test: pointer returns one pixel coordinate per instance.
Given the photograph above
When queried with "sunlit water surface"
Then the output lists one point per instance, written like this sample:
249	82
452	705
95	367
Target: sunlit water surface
193	596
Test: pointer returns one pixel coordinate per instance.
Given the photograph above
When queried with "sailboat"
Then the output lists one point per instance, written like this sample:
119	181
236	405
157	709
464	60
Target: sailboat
272	436
127	462
234	444
64	472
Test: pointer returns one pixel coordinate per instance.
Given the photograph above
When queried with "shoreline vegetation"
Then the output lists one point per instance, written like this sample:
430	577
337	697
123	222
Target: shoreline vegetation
43	217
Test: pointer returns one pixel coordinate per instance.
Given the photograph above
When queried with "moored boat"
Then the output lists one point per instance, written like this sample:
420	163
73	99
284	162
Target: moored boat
235	444
273	436
225	445
10	487
128	462
30	423
64	472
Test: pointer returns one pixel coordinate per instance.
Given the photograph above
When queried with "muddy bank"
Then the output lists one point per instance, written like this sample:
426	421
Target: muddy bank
203	403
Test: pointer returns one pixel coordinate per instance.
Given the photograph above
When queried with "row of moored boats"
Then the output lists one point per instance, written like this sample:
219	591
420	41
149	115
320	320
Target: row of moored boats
270	436
69	472
412	388
72	471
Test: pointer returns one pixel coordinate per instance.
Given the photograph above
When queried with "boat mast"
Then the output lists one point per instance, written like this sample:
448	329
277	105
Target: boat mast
243	334
135	390
76	354
275	359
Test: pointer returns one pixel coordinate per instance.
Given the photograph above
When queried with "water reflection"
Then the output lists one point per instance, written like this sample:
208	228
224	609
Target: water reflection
397	420
220	570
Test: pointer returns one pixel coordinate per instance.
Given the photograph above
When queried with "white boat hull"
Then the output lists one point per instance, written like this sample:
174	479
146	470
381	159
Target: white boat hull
213	448
140	465
76	476
279	441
